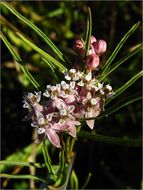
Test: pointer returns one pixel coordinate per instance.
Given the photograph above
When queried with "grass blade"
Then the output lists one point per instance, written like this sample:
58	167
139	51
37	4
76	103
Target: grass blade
17	58
35	28
124	141
2	175
42	53
26	164
119	46
88	32
125	86
122	60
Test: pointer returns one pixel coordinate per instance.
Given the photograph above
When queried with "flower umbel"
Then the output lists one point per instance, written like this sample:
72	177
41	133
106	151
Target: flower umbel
80	96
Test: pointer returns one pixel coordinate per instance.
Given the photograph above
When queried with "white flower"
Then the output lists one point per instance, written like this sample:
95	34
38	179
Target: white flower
72	75
52	91
31	99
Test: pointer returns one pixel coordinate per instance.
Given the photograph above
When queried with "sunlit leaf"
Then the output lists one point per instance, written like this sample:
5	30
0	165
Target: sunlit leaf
26	164
17	58
42	53
35	28
2	175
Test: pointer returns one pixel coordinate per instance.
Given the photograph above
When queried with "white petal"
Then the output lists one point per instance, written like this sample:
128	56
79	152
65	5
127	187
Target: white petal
41	130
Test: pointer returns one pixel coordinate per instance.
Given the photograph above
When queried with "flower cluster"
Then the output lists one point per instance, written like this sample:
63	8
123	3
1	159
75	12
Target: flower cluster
96	49
80	95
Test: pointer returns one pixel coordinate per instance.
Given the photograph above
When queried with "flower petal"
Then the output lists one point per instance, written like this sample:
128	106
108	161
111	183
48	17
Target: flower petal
90	123
53	137
72	131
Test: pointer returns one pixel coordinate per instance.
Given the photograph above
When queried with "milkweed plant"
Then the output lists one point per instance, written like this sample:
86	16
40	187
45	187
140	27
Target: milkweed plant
60	112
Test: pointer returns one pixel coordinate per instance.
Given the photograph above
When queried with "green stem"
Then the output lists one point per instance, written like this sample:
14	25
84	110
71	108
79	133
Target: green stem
48	161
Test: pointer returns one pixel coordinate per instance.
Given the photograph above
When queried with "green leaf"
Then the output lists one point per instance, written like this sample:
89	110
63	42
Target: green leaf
125	86
119	46
21	155
2	175
74	184
42	53
122	60
88	32
124	141
10	48
26	164
17	58
86	181
35	28
29	76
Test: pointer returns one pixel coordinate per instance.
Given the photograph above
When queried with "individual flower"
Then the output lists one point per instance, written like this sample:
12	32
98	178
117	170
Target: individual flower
100	47
31	101
79	47
52	91
92	61
72	75
92	108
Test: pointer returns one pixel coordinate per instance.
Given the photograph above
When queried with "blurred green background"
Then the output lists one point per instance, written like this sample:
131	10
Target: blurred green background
113	167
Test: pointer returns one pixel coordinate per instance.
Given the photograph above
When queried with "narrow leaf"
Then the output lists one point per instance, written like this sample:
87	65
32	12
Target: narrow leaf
88	32
17	58
124	141
42	53
26	164
10	48
2	175
119	46
29	76
87	181
125	86
35	28
122	60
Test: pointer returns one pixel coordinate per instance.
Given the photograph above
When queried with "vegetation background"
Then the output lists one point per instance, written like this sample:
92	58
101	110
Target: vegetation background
112	166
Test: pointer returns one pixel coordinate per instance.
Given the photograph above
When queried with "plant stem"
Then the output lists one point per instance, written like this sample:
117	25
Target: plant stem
48	161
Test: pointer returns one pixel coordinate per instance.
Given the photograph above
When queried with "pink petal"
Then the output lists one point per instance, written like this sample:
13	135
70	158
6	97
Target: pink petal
100	47
59	128
72	131
92	61
53	137
90	123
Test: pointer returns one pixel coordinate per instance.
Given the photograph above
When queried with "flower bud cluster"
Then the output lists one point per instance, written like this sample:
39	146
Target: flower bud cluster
96	49
80	95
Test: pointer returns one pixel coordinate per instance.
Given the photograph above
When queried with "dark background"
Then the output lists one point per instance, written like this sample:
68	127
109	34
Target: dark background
112	166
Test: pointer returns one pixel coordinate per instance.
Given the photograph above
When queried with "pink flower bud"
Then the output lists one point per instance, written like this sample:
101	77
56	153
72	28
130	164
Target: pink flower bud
78	47
100	47
92	61
92	40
